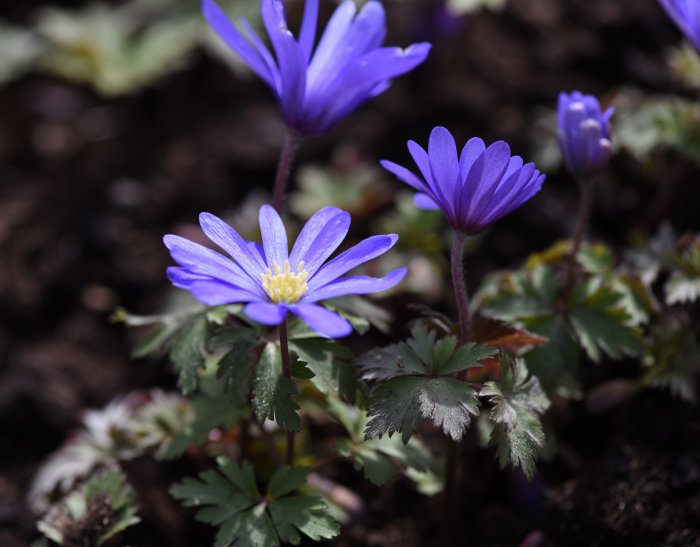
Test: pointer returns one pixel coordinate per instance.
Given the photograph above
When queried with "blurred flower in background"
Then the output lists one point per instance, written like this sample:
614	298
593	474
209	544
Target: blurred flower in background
584	133
686	15
317	88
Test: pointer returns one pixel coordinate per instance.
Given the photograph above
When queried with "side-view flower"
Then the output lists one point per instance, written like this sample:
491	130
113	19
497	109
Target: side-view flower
474	189
584	133
317	87
686	15
269	279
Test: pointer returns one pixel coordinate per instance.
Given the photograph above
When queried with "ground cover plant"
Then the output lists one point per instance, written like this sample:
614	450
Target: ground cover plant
439	291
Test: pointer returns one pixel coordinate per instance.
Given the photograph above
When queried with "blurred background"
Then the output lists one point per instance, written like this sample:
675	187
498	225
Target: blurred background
121	121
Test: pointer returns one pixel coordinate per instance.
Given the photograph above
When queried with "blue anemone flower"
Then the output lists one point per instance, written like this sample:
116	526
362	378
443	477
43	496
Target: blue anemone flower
271	280
686	15
584	133
474	189
317	88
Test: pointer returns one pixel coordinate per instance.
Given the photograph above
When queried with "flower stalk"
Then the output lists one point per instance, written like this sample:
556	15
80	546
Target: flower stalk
287	372
587	185
292	140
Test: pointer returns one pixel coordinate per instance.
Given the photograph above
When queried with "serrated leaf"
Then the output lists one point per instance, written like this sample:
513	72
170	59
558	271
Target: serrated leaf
418	384
400	404
231	501
556	363
236	369
272	392
520	295
382	458
330	364
600	323
517	403
101	508
305	514
674	361
682	288
188	352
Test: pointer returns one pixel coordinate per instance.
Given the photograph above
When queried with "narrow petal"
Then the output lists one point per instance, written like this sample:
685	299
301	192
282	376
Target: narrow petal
203	261
320	241
228	239
274	236
265	54
322	320
332	36
353	257
217	293
358	284
266	313
359	81
289	57
307	34
222	25
425	201
404	175
483	180
444	163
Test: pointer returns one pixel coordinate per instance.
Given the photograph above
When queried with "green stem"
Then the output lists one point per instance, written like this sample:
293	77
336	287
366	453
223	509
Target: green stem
460	286
585	207
292	140
451	509
287	371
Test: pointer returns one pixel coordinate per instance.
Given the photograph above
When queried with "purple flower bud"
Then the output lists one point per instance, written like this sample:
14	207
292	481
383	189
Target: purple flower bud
686	15
584	133
318	86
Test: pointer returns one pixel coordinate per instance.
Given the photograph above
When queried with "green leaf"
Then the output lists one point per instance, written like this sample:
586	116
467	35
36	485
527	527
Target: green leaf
236	369
674	361
600	323
556	363
97	511
272	392
330	364
418	385
517	403
209	413
382	458
188	352
230	500
305	514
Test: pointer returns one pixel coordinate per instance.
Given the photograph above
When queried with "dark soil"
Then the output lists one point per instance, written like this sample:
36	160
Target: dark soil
88	187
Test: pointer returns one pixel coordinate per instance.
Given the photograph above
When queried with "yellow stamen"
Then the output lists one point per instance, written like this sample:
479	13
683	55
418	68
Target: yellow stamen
285	286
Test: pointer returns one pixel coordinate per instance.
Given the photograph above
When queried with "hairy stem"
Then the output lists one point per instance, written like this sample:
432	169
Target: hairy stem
289	151
587	186
287	371
460	286
451	509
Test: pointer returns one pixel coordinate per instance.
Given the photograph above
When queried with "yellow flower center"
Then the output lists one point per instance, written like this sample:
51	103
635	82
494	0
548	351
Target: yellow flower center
285	286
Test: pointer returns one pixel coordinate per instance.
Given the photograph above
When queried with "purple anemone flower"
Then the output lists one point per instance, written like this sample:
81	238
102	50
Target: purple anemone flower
686	15
271	280
473	190
317	88
584	133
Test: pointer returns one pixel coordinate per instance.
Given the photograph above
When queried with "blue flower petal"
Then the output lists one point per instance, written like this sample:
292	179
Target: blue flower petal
358	284
404	175
228	239
322	320
319	239
307	34
425	201
222	25
350	259
203	261
444	163
274	236
289	58
266	313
